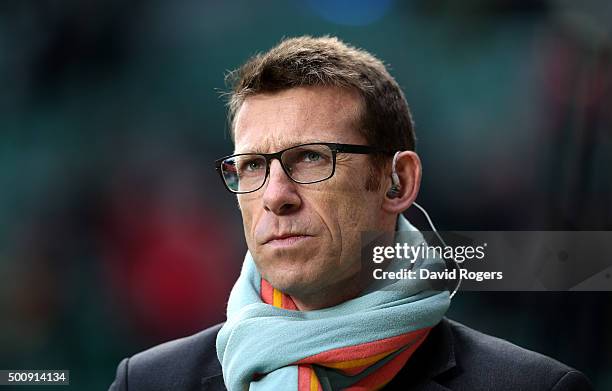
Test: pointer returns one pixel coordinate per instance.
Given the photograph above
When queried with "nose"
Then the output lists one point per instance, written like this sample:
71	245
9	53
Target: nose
280	193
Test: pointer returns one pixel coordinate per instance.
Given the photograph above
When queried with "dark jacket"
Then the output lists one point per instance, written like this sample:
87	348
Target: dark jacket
453	357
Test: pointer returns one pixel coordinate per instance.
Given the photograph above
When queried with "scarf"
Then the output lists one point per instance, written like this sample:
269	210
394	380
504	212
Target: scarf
360	344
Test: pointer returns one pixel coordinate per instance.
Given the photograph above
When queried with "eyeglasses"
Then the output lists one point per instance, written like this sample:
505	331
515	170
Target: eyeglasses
306	163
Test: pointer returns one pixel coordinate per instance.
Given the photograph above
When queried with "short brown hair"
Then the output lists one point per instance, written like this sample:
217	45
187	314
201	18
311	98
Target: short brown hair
386	121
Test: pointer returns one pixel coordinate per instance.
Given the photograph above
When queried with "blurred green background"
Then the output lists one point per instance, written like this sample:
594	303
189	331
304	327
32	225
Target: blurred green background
116	233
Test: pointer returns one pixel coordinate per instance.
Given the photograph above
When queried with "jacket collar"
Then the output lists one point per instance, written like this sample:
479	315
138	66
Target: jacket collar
434	357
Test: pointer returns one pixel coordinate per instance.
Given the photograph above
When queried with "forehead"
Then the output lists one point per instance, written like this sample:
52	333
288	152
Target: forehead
274	121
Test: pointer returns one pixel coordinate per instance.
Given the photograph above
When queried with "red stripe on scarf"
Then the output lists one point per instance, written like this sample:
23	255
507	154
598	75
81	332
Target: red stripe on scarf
267	296
266	292
288	303
307	379
367	349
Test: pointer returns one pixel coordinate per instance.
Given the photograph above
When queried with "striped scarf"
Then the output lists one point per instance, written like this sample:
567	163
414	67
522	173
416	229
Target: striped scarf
361	344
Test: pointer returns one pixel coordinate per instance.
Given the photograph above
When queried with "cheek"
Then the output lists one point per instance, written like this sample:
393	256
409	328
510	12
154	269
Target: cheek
349	215
347	202
248	208
326	207
339	214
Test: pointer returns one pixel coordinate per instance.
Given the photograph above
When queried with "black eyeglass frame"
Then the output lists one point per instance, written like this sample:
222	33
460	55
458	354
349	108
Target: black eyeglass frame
336	148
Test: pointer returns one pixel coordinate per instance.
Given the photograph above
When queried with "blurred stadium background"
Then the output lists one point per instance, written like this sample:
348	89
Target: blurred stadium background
116	234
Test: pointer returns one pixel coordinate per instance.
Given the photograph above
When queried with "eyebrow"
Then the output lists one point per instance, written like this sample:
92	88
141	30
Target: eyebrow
262	149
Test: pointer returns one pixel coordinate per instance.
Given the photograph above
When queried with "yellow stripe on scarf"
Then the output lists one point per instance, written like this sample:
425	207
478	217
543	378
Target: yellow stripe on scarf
314	381
277	300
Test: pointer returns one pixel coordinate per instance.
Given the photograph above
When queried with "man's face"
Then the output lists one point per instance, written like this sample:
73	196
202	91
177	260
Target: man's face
305	238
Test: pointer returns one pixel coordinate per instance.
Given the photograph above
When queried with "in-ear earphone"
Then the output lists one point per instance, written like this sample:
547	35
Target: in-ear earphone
394	191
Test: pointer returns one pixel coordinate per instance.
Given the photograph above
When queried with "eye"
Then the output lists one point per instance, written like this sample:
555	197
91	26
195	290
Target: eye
251	165
311	156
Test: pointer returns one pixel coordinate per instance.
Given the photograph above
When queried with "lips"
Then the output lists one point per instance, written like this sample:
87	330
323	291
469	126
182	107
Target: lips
271	230
285	238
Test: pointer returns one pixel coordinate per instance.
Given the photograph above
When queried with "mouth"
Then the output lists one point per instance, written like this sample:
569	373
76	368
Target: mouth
287	240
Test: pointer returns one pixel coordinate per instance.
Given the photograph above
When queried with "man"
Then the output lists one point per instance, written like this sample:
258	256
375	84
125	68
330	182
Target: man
324	151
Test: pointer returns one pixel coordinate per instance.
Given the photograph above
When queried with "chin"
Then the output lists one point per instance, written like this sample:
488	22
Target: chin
293	279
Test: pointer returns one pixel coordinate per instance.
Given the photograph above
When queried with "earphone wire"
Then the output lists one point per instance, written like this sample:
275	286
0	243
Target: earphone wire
395	182
433	227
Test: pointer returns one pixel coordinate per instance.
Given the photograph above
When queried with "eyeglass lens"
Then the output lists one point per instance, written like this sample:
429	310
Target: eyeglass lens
303	163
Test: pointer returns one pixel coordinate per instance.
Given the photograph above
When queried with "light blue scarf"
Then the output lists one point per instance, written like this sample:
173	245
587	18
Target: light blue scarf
262	347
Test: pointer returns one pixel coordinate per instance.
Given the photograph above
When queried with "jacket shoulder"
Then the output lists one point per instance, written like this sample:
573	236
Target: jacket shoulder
486	360
187	364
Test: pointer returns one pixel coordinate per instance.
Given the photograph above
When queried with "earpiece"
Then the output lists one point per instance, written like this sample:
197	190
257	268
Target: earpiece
394	191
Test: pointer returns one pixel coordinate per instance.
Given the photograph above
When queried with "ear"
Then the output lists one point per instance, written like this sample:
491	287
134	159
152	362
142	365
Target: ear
408	168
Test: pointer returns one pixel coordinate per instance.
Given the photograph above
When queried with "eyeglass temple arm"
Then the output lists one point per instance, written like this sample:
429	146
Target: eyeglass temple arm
361	149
